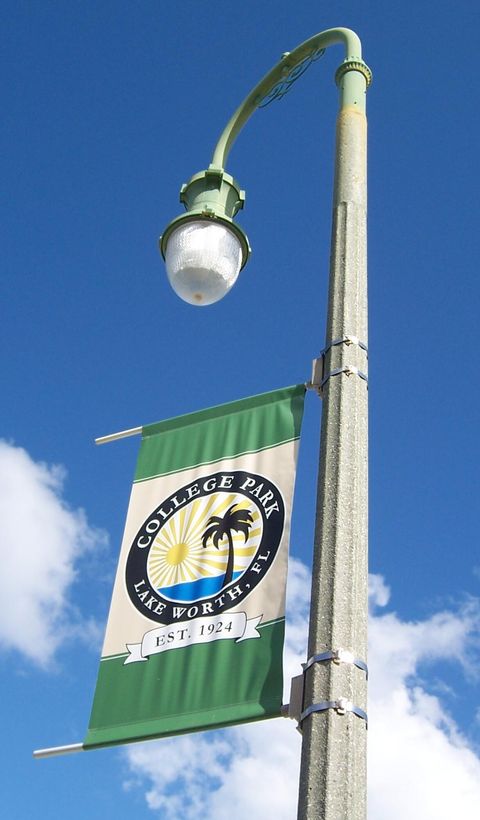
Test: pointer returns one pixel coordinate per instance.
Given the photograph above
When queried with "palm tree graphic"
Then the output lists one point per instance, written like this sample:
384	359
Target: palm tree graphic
218	528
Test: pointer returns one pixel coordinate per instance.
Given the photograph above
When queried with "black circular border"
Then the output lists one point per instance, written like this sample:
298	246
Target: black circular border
136	566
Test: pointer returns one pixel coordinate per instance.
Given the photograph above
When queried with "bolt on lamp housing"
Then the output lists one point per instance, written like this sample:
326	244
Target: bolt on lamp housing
204	250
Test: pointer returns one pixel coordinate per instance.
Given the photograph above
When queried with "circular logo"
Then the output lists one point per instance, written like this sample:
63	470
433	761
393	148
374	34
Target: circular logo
206	547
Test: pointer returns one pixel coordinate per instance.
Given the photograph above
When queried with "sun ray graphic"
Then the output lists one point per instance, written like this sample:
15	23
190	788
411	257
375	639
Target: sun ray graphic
178	556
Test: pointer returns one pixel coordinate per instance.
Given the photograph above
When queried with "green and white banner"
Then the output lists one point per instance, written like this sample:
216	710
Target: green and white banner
194	638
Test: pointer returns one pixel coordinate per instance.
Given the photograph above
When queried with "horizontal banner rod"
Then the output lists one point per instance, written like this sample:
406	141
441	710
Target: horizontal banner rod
134	431
137	431
59	750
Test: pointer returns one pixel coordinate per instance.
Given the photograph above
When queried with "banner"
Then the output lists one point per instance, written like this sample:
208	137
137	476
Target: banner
194	638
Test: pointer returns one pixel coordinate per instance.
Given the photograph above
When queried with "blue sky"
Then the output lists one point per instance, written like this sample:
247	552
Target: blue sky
108	108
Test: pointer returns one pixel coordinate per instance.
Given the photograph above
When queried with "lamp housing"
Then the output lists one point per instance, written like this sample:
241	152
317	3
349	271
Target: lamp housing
204	250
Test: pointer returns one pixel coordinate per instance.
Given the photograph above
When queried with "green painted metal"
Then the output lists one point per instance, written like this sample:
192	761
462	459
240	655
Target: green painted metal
352	90
210	194
214	194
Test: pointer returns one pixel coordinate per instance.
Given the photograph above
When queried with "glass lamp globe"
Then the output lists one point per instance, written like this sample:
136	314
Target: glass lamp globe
203	259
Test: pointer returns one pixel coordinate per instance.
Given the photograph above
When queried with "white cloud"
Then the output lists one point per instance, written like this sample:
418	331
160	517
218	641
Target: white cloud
413	740
378	592
420	764
249	771
41	540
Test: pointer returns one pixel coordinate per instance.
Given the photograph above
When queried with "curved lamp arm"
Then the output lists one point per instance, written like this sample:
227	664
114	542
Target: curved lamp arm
213	195
353	90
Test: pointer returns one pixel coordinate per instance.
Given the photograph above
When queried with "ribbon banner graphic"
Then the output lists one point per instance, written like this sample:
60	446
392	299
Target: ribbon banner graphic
201	630
194	638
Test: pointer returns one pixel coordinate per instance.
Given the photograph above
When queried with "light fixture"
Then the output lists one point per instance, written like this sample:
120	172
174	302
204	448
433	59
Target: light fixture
204	250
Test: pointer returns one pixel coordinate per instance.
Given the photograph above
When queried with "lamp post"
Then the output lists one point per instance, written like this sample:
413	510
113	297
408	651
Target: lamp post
204	252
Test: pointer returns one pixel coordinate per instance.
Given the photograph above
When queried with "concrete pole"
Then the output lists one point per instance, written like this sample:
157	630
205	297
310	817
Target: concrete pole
333	767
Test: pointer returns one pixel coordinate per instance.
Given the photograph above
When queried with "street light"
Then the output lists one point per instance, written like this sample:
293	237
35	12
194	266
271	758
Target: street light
204	252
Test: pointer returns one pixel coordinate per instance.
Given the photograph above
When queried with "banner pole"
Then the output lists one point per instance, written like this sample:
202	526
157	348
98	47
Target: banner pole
134	431
137	431
54	751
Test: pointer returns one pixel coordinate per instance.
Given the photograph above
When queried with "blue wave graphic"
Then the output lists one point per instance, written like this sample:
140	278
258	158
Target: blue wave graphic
194	590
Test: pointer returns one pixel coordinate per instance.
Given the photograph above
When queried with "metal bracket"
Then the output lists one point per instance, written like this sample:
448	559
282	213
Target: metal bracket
320	377
290	74
347	340
337	656
348	369
341	706
295	710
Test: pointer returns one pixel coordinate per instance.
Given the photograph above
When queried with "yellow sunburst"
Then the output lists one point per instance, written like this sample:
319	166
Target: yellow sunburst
178	555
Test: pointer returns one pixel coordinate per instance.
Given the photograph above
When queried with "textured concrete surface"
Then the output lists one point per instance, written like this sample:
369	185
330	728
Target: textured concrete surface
333	771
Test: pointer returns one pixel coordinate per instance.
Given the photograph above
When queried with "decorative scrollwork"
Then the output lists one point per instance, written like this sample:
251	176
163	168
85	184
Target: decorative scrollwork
291	75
